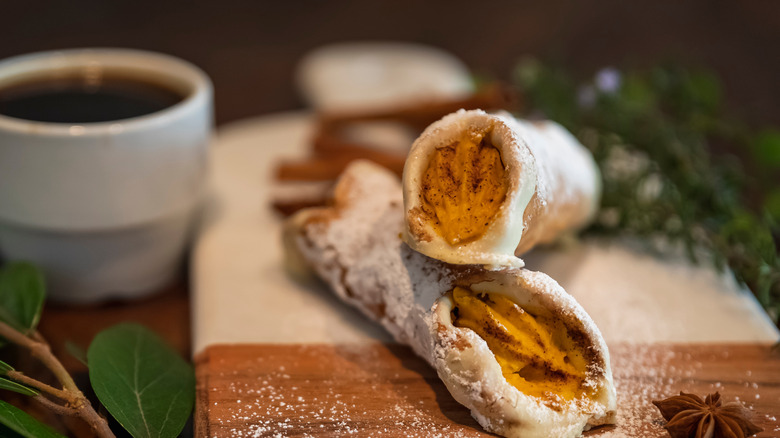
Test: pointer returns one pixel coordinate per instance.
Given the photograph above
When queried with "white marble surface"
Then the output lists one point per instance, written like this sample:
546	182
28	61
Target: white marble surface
243	295
636	297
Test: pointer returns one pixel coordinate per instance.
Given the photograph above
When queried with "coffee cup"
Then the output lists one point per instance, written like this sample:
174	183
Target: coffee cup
102	201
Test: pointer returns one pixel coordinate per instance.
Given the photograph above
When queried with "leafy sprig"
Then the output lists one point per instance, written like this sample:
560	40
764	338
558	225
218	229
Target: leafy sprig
141	381
677	167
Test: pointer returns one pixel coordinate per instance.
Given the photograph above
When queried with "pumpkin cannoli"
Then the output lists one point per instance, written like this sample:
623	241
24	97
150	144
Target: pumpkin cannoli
510	344
484	188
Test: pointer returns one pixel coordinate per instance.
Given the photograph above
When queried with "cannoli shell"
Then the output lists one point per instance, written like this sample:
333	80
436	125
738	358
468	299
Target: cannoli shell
553	186
355	246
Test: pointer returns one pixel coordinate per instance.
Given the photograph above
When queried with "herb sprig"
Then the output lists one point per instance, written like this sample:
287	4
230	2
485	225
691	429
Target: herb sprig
677	167
143	383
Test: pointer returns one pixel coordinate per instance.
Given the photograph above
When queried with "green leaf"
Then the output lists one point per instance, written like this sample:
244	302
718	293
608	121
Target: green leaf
22	293
4	367
142	382
16	387
23	424
5	432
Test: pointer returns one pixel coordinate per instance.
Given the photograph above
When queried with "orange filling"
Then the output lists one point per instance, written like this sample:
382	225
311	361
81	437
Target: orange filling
463	188
536	354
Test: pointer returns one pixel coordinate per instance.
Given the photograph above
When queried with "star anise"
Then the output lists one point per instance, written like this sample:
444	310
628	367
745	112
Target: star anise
689	416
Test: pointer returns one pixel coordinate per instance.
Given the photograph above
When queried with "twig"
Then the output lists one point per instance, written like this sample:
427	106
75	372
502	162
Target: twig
41	350
76	400
98	423
62	410
21	378
14	336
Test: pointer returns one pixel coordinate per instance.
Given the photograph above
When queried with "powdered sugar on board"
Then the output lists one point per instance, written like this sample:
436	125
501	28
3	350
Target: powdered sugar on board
317	390
370	390
633	296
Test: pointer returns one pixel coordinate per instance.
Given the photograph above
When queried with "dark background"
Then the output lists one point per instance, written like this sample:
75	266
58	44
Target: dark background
250	48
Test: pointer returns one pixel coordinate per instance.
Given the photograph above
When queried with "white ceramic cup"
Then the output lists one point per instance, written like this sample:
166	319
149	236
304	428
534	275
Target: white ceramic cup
105	209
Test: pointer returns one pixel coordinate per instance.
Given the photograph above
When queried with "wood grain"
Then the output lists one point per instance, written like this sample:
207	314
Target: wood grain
385	390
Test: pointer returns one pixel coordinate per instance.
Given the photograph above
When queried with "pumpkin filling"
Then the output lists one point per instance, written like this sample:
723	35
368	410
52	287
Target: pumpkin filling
463	187
536	354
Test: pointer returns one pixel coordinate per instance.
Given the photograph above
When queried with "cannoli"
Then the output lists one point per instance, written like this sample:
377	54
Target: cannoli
510	344
484	188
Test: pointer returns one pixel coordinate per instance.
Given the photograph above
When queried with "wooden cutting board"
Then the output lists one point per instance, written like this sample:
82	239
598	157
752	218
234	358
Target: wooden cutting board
371	390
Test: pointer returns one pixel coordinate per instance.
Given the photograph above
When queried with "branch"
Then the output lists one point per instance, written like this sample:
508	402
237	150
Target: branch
21	378
15	336
41	350
98	423
62	410
77	402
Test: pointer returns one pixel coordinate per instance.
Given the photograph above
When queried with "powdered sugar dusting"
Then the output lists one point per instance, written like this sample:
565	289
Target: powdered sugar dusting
553	185
347	390
636	297
644	373
356	248
361	256
378	390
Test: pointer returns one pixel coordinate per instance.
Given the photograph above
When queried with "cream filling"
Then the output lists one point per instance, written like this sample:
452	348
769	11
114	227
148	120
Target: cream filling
463	188
469	241
534	350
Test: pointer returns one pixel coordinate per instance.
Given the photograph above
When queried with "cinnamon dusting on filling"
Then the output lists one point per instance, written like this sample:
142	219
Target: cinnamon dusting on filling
463	187
534	349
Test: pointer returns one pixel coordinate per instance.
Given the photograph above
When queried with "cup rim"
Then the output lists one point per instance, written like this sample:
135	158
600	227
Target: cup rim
193	75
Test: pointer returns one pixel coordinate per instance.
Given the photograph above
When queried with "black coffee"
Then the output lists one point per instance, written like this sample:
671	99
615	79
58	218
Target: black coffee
79	98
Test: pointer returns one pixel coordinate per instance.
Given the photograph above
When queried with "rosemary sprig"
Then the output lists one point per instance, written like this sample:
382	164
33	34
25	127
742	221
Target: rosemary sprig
677	167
